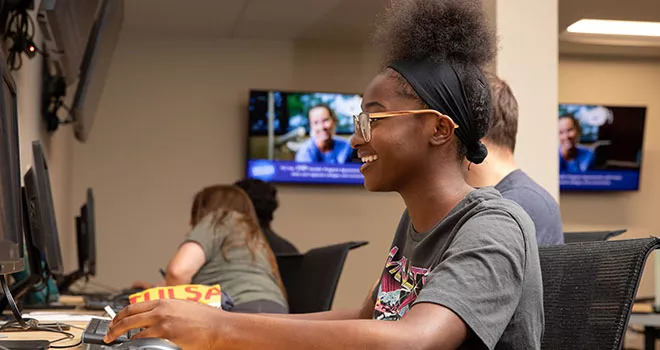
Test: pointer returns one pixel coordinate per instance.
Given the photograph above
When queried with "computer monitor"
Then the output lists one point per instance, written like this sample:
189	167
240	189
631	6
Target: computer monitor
11	231
22	286
96	64
88	222
42	213
86	242
86	234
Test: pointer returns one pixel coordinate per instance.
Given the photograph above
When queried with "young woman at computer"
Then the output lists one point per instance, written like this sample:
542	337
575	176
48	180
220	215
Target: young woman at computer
227	247
463	271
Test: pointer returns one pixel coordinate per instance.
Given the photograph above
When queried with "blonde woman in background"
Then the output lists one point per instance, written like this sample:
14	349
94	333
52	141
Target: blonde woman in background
227	247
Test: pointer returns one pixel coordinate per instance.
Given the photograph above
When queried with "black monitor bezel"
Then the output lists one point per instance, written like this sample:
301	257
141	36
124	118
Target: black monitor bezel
44	227
14	261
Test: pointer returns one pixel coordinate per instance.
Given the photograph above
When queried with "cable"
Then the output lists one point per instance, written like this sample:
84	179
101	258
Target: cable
66	346
20	30
31	324
36	327
76	327
69	113
47	282
4	348
12	303
67	336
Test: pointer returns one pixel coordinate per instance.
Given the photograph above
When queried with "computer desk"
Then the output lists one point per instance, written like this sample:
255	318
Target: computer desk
644	315
50	336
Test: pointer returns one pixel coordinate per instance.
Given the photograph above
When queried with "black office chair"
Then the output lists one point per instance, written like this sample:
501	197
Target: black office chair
588	236
588	291
311	279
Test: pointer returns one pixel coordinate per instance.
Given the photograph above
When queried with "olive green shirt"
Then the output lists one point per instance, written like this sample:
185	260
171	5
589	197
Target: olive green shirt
242	277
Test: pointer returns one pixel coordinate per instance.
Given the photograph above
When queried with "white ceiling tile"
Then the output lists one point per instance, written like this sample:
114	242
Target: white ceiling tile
211	17
337	20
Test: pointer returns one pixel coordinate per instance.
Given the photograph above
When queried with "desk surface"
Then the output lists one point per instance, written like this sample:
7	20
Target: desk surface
50	336
76	330
643	315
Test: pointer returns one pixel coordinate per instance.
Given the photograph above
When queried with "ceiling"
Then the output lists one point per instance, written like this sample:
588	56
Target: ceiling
341	20
571	11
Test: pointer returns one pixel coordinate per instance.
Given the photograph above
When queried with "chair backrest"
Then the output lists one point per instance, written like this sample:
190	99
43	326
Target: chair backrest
588	291
311	279
589	236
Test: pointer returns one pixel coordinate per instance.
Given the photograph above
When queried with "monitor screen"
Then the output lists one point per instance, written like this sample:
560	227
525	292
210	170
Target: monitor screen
302	137
89	228
96	64
11	224
81	242
41	212
600	147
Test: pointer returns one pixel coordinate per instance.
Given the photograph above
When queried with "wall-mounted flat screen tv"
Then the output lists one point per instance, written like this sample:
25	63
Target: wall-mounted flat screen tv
600	147
302	137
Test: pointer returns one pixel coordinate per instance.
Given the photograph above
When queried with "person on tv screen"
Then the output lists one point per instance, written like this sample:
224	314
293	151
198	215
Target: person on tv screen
225	246
573	157
500	169
323	146
463	269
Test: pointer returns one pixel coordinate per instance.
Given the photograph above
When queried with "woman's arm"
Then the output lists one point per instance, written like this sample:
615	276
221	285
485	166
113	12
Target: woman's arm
185	264
194	325
428	327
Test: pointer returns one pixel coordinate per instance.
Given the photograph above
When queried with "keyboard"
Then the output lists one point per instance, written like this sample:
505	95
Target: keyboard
96	330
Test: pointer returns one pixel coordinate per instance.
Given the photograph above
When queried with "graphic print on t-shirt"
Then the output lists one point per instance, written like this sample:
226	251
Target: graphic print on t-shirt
398	289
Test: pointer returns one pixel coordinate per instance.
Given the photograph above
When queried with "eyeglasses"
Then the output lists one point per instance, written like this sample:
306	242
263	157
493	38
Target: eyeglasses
362	121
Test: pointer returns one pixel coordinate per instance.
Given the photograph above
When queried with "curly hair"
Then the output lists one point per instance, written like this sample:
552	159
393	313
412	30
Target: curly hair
443	30
263	196
452	31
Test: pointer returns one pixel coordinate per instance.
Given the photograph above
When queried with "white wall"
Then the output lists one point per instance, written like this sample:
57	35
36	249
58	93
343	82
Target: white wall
527	61
624	82
173	118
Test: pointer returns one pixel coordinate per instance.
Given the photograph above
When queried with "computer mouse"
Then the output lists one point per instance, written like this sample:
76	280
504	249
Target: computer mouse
147	344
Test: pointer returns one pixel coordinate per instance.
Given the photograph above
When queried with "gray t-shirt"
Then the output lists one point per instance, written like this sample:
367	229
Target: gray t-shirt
243	277
538	203
481	261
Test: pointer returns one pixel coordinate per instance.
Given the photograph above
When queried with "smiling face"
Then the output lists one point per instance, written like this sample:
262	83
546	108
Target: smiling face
569	133
321	123
399	148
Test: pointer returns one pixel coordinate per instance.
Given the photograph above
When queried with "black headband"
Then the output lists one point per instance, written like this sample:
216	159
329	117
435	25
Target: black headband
440	87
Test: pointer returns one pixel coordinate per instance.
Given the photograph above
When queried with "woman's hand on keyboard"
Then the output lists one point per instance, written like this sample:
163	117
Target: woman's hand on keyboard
191	325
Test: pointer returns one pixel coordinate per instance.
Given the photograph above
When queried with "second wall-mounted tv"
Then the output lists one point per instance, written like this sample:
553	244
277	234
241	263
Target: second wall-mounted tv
302	137
600	147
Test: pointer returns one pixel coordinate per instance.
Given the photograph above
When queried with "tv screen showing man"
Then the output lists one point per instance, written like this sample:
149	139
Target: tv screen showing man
600	147
302	137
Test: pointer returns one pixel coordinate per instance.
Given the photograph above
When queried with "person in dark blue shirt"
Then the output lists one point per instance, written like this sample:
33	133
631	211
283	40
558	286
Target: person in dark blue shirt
500	169
573	158
323	146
